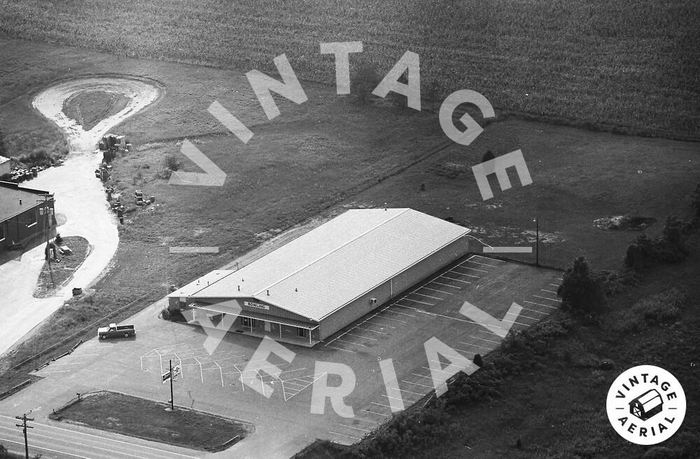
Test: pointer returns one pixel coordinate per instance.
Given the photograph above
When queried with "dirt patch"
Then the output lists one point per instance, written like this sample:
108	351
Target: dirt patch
90	107
54	275
624	223
138	417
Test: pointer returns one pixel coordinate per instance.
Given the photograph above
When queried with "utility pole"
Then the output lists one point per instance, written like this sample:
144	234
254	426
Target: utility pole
537	243
172	400
46	199
24	427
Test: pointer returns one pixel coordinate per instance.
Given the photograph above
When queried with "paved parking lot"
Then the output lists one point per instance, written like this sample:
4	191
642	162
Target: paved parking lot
282	416
433	309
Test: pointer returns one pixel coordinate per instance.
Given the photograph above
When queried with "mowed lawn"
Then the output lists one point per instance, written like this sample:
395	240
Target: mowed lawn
628	63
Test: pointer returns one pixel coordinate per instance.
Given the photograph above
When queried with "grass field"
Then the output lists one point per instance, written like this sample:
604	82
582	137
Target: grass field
143	418
90	107
629	63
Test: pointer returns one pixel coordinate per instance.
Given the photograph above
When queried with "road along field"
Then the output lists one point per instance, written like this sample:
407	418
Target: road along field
415	336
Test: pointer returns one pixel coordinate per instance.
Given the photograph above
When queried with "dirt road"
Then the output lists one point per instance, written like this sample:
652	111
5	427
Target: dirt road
79	197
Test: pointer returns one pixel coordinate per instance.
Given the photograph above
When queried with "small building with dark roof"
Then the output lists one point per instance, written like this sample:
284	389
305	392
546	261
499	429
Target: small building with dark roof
26	216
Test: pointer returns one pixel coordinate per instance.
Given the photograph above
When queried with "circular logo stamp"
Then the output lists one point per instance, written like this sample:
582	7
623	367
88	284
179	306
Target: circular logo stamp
646	405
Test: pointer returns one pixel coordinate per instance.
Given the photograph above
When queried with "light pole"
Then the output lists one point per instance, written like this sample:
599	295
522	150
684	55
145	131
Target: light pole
46	199
537	241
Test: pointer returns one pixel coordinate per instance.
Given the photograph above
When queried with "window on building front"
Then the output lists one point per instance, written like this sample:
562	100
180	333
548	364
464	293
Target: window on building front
245	321
301	331
2	231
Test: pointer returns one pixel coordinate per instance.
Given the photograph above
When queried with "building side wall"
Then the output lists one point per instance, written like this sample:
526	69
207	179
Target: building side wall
27	227
395	286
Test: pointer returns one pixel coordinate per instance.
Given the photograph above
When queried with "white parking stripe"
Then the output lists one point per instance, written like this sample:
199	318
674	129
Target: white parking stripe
401	313
481	257
417	384
377	413
380	404
540	304
345	435
473	269
545	298
436	290
549	291
416	301
427	296
482	264
391	318
535	311
456	280
555	285
446	285
464	274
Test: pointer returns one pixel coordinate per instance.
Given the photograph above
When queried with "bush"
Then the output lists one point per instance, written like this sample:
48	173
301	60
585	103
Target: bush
695	200
3	152
488	156
172	163
658	309
668	248
581	291
38	157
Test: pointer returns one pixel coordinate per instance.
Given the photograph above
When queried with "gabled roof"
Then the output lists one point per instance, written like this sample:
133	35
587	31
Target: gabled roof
15	200
330	266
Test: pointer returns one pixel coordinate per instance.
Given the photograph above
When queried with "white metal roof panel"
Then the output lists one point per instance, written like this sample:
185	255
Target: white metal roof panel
330	266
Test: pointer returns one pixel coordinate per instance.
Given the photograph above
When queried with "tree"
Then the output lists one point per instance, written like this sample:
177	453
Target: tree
488	156
696	200
581	291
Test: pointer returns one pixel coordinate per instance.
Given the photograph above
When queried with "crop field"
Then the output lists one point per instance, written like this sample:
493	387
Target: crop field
628	65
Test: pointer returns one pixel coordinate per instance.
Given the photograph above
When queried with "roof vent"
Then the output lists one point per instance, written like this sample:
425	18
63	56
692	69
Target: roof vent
268	293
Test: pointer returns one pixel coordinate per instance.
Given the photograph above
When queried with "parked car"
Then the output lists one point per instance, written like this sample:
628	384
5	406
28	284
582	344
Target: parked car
116	331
